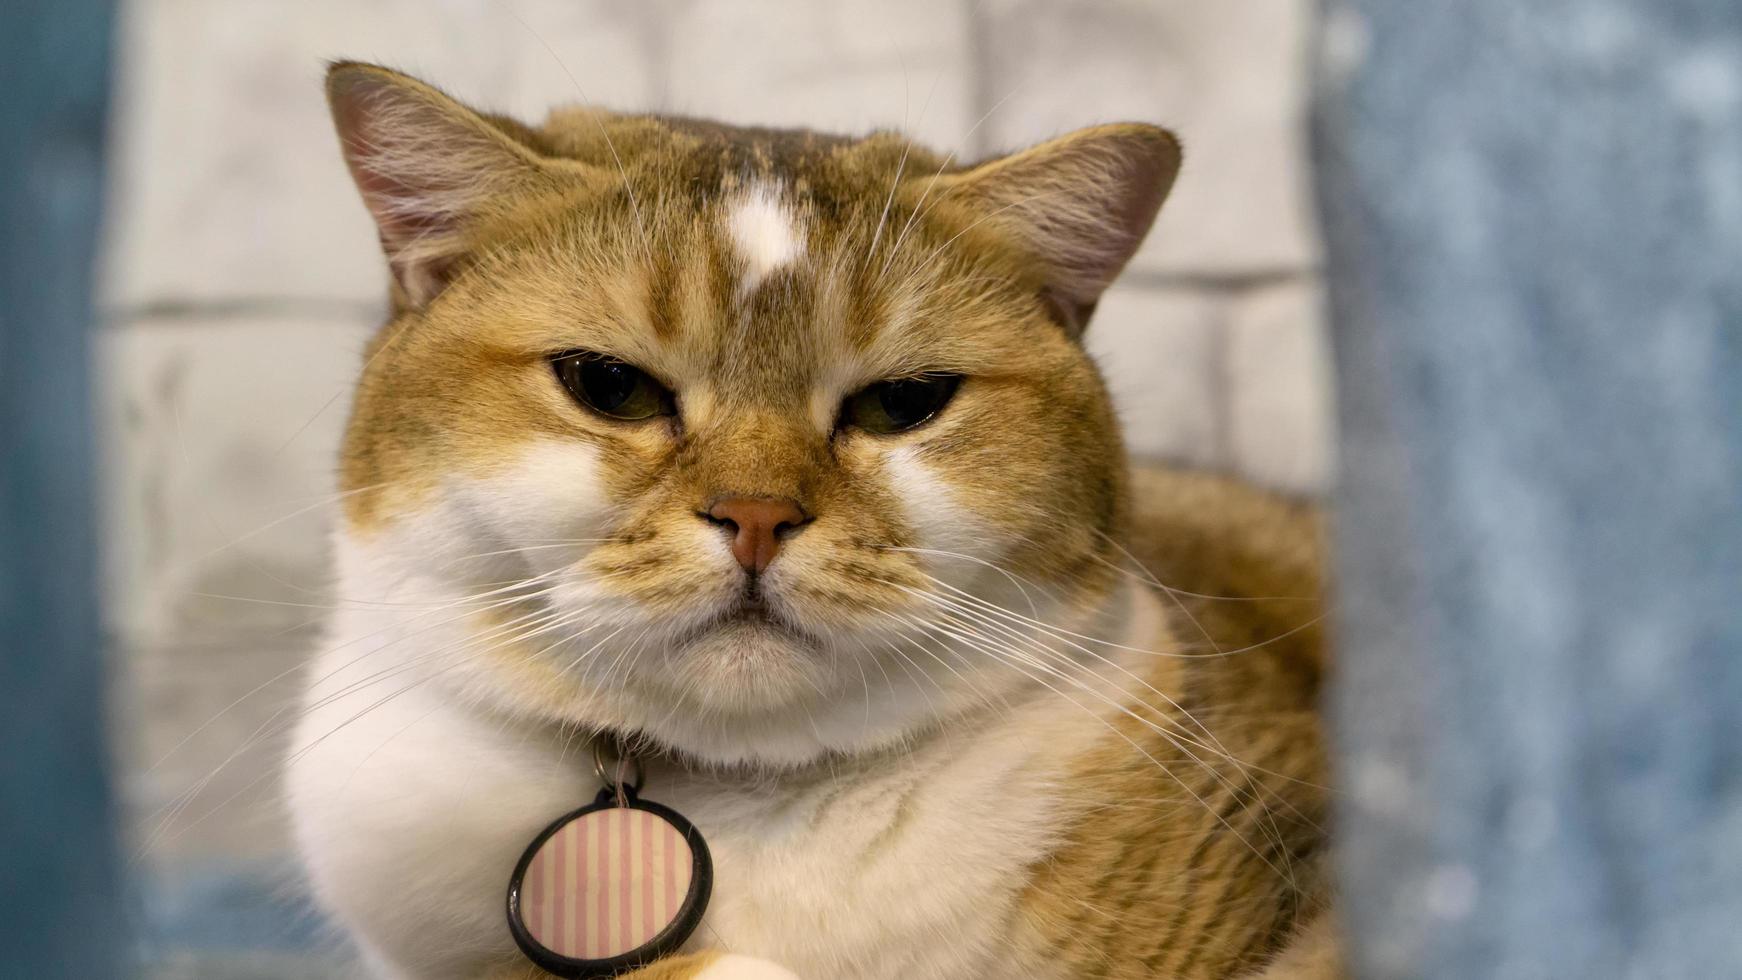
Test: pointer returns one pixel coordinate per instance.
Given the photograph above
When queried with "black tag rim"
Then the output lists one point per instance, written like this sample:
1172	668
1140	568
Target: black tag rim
667	941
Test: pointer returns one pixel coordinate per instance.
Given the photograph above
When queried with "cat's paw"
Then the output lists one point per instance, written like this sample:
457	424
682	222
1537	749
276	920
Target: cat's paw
732	966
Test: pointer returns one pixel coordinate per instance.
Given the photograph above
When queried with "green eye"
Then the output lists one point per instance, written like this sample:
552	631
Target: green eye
611	387
898	405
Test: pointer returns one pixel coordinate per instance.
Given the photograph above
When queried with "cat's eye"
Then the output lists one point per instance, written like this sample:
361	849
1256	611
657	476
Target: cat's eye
612	387
899	404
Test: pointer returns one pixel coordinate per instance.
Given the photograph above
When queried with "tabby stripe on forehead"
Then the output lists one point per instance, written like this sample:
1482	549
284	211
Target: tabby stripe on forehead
662	295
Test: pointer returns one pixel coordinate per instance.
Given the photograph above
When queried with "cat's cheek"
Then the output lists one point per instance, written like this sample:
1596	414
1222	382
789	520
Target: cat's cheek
532	513
551	491
405	546
938	514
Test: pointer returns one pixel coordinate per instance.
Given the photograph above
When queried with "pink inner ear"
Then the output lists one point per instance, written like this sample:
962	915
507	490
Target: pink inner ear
391	202
399	222
1144	185
422	163
400	207
1082	204
1124	188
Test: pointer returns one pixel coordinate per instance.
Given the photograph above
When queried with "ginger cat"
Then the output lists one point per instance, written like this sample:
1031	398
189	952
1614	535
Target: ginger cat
777	454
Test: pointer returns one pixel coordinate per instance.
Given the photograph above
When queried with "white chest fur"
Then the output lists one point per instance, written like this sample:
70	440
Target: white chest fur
411	809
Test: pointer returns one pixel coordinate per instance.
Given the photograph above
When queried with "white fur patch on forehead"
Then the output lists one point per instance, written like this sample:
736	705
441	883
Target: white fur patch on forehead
765	232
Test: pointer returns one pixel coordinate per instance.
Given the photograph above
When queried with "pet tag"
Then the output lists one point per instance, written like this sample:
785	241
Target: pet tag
612	886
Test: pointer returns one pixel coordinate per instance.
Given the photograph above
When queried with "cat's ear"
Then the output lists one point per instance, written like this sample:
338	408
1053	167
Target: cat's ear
1080	204
428	168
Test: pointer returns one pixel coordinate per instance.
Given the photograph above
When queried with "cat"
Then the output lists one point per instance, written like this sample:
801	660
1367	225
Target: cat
778	455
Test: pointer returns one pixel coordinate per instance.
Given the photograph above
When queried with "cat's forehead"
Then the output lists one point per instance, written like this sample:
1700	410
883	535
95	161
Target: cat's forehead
701	156
749	253
757	286
755	261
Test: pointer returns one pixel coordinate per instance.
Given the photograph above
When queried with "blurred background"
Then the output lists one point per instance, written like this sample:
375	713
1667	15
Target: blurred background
1528	239
240	278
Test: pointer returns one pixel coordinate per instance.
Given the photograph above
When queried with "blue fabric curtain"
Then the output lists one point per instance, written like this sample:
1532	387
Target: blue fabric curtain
60	915
1533	215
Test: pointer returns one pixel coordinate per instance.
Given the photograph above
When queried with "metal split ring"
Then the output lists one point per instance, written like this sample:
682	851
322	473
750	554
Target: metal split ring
612	764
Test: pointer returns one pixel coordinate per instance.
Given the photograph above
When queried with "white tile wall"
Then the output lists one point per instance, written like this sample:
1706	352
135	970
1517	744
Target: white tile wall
1226	76
1160	350
219	453
228	181
242	272
847	67
1278	363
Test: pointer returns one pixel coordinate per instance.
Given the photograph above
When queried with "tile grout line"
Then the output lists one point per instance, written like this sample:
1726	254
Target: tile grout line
1239	282
212	311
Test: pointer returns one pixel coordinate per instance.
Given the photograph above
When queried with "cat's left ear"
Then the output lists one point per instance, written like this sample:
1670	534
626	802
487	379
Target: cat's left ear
429	168
1080	204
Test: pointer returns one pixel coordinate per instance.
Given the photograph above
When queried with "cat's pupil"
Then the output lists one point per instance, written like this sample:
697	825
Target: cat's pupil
898	404
608	384
910	401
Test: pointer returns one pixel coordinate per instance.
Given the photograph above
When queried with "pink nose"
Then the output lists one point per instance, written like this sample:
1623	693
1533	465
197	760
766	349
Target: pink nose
757	525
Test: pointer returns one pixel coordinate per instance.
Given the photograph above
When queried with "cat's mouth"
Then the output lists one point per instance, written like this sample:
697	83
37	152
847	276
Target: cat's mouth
748	615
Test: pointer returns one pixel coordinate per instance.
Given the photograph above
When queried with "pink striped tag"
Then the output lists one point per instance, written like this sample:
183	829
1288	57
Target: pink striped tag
606	883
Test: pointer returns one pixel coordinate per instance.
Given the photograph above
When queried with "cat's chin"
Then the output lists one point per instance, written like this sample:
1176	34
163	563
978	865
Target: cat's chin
749	662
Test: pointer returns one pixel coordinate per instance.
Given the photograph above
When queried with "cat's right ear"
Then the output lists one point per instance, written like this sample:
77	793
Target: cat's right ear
1079	204
428	168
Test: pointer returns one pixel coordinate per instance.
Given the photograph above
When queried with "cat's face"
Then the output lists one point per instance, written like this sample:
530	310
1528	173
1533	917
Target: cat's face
761	419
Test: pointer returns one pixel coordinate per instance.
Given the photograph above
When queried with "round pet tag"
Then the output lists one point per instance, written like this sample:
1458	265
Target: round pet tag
611	886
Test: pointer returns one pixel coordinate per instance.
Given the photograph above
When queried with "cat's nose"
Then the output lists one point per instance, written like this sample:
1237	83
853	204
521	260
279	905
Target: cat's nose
757	525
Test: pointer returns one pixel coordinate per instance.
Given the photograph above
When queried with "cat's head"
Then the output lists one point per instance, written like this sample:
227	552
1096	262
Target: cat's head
762	419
